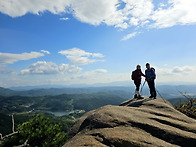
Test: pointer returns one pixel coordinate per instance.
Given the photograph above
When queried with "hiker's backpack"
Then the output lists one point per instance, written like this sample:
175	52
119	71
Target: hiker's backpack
132	75
153	69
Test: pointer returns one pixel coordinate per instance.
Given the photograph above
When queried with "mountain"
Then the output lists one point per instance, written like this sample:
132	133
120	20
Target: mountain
164	91
58	103
143	122
177	101
6	91
120	91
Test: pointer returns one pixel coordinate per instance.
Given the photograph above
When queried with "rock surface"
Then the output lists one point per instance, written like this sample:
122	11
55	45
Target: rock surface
143	122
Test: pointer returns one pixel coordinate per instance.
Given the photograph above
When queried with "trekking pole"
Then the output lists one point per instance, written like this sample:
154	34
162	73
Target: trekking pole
142	87
160	95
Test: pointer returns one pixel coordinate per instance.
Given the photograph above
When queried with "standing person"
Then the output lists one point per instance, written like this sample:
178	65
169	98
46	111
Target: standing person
136	76
150	77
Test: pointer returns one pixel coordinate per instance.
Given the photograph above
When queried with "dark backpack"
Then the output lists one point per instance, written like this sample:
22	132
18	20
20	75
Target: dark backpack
132	75
153	69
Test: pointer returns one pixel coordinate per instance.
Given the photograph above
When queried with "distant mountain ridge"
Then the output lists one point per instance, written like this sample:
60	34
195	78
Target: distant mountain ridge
6	91
166	91
121	91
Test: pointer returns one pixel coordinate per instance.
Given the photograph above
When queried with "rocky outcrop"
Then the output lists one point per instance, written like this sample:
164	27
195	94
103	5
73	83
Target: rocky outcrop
143	122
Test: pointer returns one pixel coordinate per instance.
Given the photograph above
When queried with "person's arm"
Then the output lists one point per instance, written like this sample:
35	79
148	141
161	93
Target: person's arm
143	74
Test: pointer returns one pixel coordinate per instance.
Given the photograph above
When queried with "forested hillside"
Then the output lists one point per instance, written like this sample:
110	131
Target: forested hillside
65	102
24	107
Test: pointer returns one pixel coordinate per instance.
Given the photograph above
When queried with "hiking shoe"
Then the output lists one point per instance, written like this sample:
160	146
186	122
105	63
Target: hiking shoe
135	96
151	97
140	97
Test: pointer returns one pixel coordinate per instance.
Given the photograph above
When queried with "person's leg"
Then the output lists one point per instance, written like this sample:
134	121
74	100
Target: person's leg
135	96
154	90
138	88
137	84
150	85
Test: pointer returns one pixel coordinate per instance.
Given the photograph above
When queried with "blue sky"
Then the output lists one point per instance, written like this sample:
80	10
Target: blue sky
66	42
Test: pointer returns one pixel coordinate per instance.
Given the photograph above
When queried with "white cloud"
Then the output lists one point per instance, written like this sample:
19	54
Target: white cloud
43	67
181	70
95	11
176	74
8	58
64	18
134	21
15	8
100	71
118	13
140	9
80	57
88	77
44	51
180	12
66	68
164	75
131	35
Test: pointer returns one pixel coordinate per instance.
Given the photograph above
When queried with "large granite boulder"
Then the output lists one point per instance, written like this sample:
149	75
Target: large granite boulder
146	122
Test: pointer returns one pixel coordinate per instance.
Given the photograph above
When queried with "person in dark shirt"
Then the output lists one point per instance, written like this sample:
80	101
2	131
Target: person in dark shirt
136	76
150	77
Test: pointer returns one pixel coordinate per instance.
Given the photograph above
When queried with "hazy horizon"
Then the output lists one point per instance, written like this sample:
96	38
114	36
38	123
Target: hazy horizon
112	84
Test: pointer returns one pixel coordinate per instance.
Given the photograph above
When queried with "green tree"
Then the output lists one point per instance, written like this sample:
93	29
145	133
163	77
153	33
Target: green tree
188	107
39	132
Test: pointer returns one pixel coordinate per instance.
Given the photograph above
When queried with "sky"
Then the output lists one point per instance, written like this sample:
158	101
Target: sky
65	42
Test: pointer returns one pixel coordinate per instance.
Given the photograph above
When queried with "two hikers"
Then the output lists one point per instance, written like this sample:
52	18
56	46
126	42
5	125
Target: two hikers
150	77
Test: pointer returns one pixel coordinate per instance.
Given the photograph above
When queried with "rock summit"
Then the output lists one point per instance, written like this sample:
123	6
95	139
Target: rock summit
145	122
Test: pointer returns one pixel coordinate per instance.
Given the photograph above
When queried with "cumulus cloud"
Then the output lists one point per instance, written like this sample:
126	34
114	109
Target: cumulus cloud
80	57
15	8
176	74
134	21
96	12
44	51
179	12
43	67
88	77
183	70
8	58
118	13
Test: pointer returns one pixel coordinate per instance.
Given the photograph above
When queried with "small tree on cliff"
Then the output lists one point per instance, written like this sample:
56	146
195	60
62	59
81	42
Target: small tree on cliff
189	107
38	131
